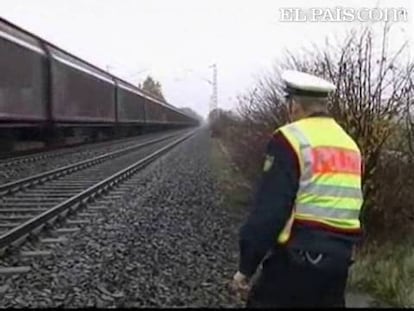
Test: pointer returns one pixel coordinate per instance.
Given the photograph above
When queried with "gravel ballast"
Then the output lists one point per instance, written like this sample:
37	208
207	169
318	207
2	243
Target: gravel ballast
167	242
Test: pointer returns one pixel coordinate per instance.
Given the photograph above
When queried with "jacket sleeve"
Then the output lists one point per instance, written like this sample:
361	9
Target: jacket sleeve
272	206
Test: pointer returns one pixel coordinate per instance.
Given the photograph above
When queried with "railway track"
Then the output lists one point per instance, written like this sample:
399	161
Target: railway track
33	157
30	204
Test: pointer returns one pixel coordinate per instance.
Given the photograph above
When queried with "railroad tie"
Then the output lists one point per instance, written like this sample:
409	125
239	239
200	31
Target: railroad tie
14	270
67	230
97	208
53	240
83	214
37	253
77	222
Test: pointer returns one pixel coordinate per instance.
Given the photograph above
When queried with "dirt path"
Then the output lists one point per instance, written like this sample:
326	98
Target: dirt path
356	300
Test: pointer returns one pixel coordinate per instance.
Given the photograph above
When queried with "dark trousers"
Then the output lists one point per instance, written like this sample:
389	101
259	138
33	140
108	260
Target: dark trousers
290	279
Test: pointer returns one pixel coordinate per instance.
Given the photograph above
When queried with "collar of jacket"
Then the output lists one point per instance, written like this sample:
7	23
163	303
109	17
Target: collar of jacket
319	114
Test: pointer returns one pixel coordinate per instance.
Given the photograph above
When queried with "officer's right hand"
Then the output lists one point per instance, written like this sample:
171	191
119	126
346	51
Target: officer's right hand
240	285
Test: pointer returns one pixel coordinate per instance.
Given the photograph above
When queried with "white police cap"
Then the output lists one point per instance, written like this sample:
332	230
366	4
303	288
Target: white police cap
304	84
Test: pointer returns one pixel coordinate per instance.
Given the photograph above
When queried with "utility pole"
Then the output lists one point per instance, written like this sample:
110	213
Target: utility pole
213	103
214	99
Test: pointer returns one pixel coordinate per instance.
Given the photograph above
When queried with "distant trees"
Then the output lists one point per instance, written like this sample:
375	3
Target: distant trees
220	119
152	87
221	114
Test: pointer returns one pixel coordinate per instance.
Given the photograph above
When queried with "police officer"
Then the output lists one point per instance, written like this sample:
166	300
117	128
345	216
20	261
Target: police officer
305	220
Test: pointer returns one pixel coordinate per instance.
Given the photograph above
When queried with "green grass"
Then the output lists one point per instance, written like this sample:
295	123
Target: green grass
231	182
387	273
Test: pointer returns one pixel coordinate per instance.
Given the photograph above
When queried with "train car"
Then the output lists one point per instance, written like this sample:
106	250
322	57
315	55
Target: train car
23	102
130	108
155	112
173	117
22	62
82	97
180	118
130	103
136	108
161	113
48	94
81	93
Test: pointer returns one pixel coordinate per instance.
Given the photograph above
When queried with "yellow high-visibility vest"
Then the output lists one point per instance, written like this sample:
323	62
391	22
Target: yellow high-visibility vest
330	192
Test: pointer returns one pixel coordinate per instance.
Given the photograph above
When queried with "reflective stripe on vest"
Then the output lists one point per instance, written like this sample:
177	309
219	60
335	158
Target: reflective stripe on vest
330	181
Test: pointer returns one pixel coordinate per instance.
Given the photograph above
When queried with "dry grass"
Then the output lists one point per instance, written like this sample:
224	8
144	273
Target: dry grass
387	273
232	184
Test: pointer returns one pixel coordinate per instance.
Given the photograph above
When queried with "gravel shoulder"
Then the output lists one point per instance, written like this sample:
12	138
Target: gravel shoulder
169	241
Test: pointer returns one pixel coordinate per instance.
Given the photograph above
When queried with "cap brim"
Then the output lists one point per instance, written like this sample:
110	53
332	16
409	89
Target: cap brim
299	92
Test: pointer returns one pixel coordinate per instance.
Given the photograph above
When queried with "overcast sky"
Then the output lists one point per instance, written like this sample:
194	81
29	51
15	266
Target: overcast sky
177	40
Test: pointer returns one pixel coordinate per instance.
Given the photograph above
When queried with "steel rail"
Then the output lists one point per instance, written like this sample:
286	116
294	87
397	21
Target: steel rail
23	230
17	185
47	154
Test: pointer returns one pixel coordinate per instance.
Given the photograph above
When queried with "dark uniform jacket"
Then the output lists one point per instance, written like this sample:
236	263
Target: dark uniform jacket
272	208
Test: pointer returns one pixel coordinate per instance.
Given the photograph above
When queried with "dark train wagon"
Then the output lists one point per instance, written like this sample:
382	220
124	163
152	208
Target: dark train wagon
176	117
172	116
23	102
154	111
22	70
130	108
83	98
80	92
51	96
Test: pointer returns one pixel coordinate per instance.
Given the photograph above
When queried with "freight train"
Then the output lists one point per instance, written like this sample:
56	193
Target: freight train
50	95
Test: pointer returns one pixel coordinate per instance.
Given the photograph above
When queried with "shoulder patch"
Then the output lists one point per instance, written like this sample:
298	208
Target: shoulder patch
268	163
